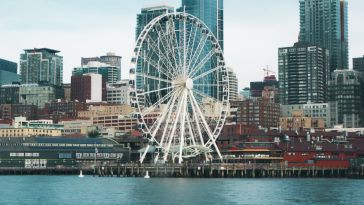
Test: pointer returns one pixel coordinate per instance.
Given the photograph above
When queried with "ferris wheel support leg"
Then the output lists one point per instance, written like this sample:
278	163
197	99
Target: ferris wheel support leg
144	154
182	139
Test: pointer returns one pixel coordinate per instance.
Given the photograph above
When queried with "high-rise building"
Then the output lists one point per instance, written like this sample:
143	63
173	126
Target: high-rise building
41	65
325	23
147	14
88	88
303	74
211	12
110	73
257	87
110	58
233	85
347	97
38	95
8	72
118	93
358	64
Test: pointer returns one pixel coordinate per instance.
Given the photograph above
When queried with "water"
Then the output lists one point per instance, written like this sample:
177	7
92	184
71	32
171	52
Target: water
95	190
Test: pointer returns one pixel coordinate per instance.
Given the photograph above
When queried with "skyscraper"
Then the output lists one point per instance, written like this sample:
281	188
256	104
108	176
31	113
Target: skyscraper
8	72
147	14
325	23
110	73
41	65
211	12
303	74
358	64
233	85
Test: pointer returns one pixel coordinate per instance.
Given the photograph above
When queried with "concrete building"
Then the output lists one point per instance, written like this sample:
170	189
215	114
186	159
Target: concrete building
310	110
10	111
41	65
303	74
118	93
299	122
257	112
358	64
8	72
39	95
233	85
88	88
30	132
67	91
347	97
102	110
325	23
77	127
110	73
60	109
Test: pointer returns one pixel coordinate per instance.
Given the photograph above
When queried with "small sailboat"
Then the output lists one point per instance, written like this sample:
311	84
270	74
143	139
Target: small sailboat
80	175
146	175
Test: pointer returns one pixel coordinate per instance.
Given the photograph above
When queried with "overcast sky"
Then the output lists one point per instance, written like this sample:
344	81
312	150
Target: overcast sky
254	30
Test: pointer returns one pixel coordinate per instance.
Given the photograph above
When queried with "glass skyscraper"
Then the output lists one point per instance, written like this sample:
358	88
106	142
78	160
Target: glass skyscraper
211	12
41	65
8	72
325	23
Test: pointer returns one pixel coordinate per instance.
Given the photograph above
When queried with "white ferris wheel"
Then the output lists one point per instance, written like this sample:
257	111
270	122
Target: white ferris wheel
179	88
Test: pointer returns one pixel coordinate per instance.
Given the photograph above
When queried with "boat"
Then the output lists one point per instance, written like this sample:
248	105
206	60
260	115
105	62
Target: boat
80	175
147	175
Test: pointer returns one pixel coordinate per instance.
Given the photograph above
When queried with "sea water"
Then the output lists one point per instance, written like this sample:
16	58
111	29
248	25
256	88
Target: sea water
112	190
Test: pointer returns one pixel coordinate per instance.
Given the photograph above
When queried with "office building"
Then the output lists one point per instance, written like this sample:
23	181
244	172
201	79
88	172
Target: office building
38	95
118	93
325	23
8	72
9	94
233	85
303	74
88	88
347	97
41	65
110	73
211	12
257	87
358	64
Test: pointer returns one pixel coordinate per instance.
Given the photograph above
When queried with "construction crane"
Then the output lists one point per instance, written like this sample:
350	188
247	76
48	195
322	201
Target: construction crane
267	72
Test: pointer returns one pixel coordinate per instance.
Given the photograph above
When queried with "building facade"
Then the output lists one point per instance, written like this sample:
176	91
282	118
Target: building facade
257	87
257	112
8	72
38	95
41	65
358	64
109	73
88	88
9	94
325	23
303	74
10	111
118	93
346	95
233	85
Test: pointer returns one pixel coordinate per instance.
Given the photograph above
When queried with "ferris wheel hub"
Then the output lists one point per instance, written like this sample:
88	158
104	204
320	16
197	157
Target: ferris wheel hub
189	84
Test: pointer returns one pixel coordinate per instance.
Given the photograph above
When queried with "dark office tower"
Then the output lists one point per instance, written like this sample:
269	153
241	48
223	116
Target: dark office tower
149	13
303	74
347	97
41	65
325	23
8	72
211	12
358	64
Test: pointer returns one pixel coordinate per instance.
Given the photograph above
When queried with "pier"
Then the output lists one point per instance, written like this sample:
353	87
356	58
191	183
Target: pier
214	170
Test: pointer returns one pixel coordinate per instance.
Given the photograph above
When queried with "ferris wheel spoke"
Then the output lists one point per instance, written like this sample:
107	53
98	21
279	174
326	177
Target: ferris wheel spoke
194	113
156	104
177	47
196	55
153	91
207	73
182	130
203	62
172	44
203	95
153	77
191	53
167	68
153	63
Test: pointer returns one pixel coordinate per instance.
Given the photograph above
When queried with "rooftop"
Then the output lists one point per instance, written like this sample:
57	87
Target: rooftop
42	49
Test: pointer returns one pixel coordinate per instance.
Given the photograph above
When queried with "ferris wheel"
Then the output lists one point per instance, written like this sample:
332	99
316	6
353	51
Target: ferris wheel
179	88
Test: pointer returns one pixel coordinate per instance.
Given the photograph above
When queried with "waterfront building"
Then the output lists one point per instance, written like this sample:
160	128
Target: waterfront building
58	109
358	64
303	74
77	127
347	97
102	110
325	23
8	72
299	122
39	95
310	110
30	132
110	73
233	85
211	12
257	87
88	88
118	93
257	112
41	65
